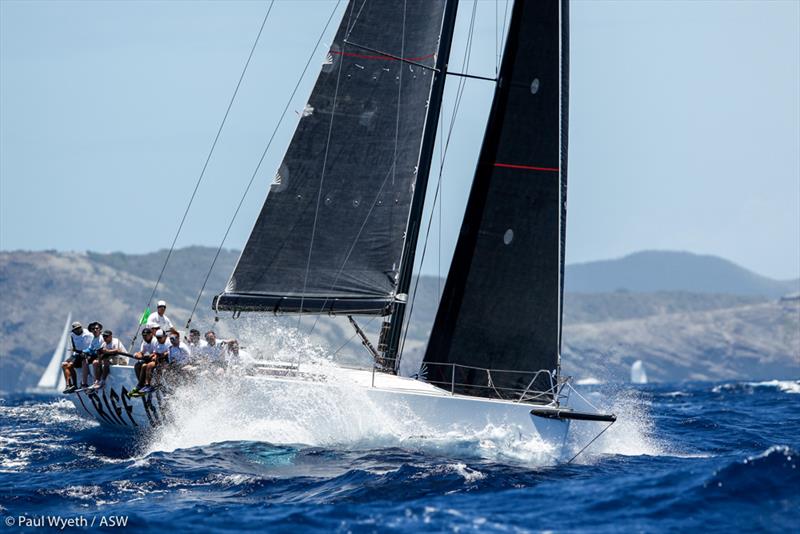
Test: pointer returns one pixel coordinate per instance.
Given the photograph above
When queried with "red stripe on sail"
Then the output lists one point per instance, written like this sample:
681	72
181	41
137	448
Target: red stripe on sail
526	167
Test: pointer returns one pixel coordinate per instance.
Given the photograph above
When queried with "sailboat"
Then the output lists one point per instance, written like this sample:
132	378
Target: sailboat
638	374
52	381
339	229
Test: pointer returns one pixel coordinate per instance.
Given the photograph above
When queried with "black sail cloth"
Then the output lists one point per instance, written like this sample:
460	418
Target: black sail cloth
501	306
330	235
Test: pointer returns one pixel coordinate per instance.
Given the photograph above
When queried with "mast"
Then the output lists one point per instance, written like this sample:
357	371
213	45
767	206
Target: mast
395	324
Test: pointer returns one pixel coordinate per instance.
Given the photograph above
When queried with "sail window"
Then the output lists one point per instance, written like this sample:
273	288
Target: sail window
535	86
508	237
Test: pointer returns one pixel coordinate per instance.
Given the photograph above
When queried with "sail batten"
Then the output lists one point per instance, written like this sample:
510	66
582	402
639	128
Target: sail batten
501	305
333	225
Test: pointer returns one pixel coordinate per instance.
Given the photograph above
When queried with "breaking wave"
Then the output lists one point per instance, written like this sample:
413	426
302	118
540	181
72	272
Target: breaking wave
786	386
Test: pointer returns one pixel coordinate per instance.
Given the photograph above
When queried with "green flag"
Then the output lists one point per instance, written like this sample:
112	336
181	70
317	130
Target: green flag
145	315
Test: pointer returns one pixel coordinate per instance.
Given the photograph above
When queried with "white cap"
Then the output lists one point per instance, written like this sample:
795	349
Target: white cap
161	303
160	333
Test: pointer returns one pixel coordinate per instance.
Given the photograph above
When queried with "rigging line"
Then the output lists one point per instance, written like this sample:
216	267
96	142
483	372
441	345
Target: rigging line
354	336
321	182
352	27
261	160
503	31
456	106
208	158
399	93
392	168
593	440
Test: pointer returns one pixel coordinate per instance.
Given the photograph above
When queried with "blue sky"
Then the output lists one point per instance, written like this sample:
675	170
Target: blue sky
684	124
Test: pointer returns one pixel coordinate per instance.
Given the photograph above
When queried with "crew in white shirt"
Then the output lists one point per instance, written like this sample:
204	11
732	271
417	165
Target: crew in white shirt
94	349
179	353
81	342
214	349
158	317
238	356
109	353
143	357
160	354
194	341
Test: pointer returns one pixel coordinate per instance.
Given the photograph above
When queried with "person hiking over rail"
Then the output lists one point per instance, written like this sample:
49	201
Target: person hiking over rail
94	350
160	355
143	357
110	353
81	341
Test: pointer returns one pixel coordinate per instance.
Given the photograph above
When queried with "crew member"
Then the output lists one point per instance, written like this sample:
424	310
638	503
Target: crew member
194	340
160	355
81	340
143	357
179	353
159	318
110	353
94	351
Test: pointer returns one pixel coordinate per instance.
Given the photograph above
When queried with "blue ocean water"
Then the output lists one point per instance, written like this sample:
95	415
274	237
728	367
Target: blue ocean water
689	456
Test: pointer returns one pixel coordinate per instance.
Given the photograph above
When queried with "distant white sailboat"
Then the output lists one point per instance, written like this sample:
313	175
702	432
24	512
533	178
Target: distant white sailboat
638	374
52	380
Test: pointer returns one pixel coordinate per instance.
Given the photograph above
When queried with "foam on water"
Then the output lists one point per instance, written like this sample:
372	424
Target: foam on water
342	416
631	435
786	386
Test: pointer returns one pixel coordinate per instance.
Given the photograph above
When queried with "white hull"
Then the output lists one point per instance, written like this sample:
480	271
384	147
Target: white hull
436	411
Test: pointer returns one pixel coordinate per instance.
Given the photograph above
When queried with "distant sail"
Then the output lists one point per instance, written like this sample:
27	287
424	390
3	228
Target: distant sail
52	377
638	374
501	306
329	238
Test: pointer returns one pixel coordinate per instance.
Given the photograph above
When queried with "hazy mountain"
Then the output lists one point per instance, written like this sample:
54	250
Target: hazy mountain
737	333
672	271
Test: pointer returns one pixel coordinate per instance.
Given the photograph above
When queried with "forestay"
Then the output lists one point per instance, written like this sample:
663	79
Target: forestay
501	306
330	234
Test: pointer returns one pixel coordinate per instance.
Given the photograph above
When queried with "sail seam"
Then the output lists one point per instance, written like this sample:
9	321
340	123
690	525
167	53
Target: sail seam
381	57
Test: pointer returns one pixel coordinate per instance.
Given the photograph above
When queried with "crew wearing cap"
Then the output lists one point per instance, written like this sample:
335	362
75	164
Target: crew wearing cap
143	356
94	349
160	354
179	353
81	341
109	353
159	318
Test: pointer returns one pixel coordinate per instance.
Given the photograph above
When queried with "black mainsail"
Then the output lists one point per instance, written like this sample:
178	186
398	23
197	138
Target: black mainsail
330	236
501	306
